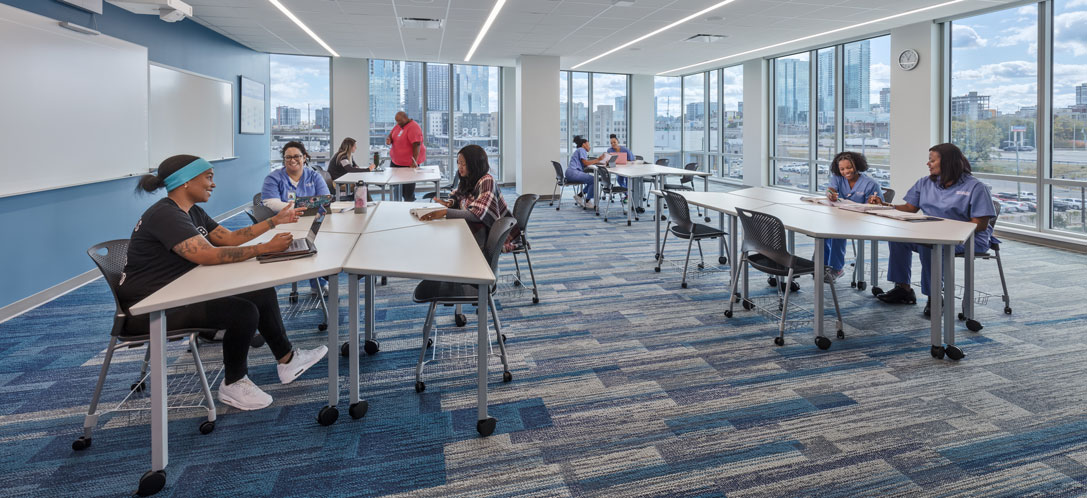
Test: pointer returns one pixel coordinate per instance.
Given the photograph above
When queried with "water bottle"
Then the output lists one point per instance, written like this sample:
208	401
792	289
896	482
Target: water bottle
377	159
360	197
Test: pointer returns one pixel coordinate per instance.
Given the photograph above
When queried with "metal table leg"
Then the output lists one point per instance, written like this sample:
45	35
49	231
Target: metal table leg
953	352
334	338
818	259
160	454
372	346
875	264
596	190
721	243
485	425
936	304
968	279
860	264
657	232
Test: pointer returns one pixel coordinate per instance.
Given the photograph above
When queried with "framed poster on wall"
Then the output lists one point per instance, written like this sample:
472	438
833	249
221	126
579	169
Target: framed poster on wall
252	107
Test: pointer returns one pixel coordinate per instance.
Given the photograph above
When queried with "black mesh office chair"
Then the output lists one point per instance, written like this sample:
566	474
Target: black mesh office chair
445	189
686	182
259	212
681	226
522	209
110	258
994	247
765	249
609	189
560	185
651	182
639	158
435	293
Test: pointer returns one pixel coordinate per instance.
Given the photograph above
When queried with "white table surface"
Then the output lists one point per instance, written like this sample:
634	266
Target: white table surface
940	232
393	176
435	250
390	215
347	222
771	194
630	170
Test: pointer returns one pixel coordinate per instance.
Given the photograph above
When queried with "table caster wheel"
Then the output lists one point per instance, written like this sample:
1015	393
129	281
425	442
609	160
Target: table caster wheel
328	415
961	316
535	300
973	326
877	290
684	285
384	280
701	266
853	285
1007	310
151	482
420	386
516	283
358	410
207	426
822	342
795	286
722	260
507	376
657	269
841	334
728	313
138	387
371	347
486	426
779	341
954	353
345	350
82	443
937	352
292	298
862	285
460	320
322	327
664	218
748	305
771	281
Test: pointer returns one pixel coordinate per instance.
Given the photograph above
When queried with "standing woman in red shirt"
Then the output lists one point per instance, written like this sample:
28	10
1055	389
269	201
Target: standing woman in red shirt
407	149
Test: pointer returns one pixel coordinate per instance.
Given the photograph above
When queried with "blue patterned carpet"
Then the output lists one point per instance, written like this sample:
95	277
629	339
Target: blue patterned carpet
624	385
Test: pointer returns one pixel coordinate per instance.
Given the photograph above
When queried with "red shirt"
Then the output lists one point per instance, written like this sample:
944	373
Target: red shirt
403	138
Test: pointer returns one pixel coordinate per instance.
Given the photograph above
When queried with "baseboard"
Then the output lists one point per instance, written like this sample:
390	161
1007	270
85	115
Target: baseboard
33	301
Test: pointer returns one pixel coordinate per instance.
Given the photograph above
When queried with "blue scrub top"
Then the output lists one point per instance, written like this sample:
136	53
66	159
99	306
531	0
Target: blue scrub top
860	192
967	198
622	150
575	159
277	185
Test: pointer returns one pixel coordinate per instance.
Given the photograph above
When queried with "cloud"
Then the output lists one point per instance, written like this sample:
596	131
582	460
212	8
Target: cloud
298	80
1071	4
1018	35
1001	71
963	36
1066	77
879	77
1009	98
1069	33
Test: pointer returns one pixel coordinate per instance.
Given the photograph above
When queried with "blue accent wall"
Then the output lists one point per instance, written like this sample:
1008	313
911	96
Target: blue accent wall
47	233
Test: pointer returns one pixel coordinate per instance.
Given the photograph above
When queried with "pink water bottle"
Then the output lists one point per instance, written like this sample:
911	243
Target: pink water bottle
360	197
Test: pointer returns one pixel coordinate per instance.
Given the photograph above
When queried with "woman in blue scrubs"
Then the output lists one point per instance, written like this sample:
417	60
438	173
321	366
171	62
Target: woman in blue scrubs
951	192
575	171
847	184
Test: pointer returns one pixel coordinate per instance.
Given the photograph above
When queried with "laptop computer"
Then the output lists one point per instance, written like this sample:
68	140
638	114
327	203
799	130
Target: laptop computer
620	158
300	247
312	202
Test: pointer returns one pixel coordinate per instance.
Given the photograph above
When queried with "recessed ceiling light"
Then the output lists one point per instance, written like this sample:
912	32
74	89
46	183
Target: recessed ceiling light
420	23
420	38
305	28
715	18
670	26
852	26
703	38
634	49
486	26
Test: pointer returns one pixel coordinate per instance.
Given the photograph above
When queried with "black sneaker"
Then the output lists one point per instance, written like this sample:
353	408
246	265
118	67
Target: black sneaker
928	309
639	209
898	295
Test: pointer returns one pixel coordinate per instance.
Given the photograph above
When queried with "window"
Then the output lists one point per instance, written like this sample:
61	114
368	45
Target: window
1068	194
300	105
579	105
826	111
456	105
732	140
866	100
666	127
694	118
609	110
594	106
791	137
564	108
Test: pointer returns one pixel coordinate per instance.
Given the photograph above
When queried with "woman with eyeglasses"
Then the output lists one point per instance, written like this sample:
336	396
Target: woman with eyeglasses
293	180
847	183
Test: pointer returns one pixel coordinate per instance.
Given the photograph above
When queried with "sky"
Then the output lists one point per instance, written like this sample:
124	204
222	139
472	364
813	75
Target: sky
298	80
996	54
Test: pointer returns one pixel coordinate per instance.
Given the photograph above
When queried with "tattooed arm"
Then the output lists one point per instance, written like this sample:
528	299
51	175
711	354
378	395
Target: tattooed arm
222	237
198	250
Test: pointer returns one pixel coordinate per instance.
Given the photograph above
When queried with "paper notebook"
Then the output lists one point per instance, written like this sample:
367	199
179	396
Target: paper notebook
904	215
419	212
821	200
863	208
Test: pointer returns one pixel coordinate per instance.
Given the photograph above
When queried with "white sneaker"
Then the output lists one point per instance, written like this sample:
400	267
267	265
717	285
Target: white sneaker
300	362
831	275
579	201
589	204
243	395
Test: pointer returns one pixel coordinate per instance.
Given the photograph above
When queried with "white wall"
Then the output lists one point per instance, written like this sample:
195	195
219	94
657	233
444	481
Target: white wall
509	125
756	124
915	104
350	82
641	115
537	117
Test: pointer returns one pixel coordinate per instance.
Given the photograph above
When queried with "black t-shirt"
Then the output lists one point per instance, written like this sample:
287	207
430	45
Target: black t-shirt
152	263
340	165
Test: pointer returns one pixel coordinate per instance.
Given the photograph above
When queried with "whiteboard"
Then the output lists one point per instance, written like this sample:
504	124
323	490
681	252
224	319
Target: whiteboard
74	105
190	114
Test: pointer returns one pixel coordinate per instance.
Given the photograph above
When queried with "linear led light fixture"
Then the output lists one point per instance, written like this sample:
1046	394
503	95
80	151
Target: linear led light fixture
486	26
652	33
922	9
303	26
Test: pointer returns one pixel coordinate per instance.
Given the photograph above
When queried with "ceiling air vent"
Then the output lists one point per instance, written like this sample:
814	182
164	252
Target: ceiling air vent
703	38
420	23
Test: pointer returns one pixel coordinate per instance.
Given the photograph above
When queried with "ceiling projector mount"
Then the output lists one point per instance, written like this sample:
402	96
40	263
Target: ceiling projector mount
167	10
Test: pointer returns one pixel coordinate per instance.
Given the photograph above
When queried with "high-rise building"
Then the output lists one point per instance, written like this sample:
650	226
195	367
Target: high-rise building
437	80
825	82
321	119
1081	94
856	64
288	116
413	87
885	99
471	89
384	92
621	104
970	106
791	88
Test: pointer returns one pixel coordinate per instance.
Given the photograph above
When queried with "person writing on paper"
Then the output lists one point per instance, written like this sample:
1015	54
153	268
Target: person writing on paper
477	199
407	150
846	183
575	171
293	180
343	161
950	192
175	235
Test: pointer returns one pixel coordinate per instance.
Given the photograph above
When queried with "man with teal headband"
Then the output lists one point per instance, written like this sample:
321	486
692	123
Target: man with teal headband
175	235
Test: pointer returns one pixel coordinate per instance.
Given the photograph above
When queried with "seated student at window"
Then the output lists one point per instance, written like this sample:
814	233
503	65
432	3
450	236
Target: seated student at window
951	192
343	162
293	180
175	235
575	171
478	200
846	183
619	149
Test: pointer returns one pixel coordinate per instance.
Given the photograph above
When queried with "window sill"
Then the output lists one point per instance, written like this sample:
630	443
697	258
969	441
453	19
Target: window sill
1047	239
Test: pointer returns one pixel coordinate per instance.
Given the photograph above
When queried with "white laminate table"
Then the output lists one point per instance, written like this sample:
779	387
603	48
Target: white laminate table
442	250
636	171
210	282
394	176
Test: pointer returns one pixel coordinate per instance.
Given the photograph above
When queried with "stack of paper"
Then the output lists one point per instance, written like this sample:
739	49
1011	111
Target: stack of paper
904	215
863	208
821	200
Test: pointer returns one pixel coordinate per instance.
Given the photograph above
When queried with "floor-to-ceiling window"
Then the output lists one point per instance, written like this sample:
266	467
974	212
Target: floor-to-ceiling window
732	135
694	119
456	105
705	126
609	110
593	106
300	105
564	121
667	103
1067	175
789	160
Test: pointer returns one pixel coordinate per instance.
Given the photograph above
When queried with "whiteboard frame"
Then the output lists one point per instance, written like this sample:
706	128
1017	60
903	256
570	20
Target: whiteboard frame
233	115
263	107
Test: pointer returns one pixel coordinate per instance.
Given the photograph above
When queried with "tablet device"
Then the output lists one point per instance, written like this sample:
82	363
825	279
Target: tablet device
311	202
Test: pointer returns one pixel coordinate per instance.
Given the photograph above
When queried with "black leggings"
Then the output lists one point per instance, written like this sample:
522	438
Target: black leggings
407	189
240	316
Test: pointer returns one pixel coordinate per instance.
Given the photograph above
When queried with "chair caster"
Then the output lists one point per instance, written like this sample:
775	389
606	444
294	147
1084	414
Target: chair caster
841	334
151	482
793	287
345	350
973	326
664	218
728	313
322	327
371	347
657	269
420	386
358	410
707	218
206	427
779	341
771	281
748	305
684	285
516	283
954	353
486	426
460	320
503	338
722	260
937	352
535	300
628	223
292	297
822	342
81	444
257	341
853	285
507	376
138	387
328	415
862	285
1007	310
429	343
877	290
701	266
384	280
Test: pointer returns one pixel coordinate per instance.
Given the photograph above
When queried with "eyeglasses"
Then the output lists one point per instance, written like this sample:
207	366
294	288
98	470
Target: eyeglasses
293	157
